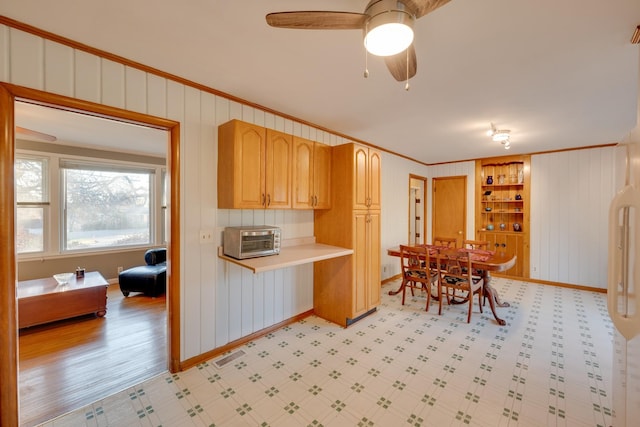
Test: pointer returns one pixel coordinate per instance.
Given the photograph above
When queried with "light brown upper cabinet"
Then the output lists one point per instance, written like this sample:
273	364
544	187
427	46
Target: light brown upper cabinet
367	177
311	174
254	167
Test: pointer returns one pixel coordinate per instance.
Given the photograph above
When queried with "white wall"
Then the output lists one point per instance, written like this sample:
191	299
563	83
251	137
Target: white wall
395	207
570	195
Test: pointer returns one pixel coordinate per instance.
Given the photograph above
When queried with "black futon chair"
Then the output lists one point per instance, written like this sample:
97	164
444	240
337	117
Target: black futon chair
150	279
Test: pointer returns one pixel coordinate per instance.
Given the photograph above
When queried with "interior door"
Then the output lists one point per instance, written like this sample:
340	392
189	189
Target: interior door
449	208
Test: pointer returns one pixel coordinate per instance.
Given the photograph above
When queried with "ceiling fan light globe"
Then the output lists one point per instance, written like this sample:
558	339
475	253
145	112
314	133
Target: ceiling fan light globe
501	135
388	33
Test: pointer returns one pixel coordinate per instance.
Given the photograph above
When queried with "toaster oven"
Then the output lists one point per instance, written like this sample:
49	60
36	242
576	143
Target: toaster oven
251	241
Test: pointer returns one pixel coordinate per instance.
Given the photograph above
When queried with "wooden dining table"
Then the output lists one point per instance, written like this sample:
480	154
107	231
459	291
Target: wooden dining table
482	260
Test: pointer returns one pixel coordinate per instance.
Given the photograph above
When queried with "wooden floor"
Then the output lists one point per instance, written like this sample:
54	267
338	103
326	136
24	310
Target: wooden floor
71	363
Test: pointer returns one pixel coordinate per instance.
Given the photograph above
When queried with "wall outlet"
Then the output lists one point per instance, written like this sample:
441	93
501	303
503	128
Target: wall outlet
384	268
120	269
206	236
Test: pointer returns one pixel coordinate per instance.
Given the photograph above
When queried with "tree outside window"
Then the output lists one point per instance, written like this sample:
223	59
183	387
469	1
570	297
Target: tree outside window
32	197
106	208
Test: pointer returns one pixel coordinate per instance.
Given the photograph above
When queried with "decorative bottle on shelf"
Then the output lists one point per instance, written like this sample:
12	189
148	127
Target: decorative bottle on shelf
490	180
518	196
520	176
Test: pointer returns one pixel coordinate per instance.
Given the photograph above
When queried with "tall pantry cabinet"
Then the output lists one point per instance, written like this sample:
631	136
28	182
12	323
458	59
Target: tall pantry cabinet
348	288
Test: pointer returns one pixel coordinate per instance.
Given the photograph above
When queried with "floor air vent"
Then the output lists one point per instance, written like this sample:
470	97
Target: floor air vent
228	358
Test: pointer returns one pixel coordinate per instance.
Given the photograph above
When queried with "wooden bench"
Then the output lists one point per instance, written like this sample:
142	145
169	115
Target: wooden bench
43	300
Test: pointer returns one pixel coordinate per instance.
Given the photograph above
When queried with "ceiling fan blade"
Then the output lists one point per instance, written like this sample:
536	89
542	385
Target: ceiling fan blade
398	63
36	134
317	20
422	7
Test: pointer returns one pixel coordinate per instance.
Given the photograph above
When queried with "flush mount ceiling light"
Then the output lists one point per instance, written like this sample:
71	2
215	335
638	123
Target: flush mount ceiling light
500	135
389	30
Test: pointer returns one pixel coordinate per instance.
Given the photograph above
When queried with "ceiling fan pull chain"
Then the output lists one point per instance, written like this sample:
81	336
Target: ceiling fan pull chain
366	56
406	86
366	64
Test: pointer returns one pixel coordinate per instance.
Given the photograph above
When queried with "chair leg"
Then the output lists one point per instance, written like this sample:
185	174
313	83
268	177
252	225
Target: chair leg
480	298
428	288
404	289
470	309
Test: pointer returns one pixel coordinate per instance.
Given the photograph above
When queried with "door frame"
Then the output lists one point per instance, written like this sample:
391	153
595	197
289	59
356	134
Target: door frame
9	93
423	232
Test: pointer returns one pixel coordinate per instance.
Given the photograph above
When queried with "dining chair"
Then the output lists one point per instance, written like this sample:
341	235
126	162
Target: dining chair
419	271
448	242
475	244
457	277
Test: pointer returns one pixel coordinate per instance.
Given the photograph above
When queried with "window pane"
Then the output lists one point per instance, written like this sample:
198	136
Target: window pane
106	208
29	230
30	176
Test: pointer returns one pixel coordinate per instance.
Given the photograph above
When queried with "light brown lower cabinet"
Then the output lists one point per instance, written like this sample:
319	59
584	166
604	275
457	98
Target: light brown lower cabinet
348	288
513	244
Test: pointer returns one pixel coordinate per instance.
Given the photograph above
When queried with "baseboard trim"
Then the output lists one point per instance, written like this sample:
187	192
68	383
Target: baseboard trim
189	363
550	283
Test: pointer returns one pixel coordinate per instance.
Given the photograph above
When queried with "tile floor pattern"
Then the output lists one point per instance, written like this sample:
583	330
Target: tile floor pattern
549	366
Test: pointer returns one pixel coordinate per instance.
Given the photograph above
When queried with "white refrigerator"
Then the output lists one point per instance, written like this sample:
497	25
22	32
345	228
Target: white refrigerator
623	287
624	282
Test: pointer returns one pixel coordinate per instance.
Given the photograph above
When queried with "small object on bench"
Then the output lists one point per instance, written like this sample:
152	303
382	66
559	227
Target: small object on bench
150	279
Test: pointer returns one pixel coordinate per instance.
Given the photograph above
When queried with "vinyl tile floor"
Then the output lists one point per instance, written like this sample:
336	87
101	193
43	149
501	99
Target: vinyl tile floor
550	365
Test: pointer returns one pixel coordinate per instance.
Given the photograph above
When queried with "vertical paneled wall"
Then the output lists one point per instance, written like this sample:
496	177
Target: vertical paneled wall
570	196
220	302
395	207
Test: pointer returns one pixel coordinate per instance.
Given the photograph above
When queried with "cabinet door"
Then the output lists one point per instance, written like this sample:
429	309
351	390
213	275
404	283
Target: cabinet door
512	244
249	147
373	264
360	176
366	255
322	175
361	255
303	165
278	170
375	161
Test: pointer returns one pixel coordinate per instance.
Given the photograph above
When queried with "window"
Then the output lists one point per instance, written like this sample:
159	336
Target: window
32	196
106	206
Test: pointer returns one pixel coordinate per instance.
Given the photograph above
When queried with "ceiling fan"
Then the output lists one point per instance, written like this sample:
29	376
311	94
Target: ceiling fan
381	22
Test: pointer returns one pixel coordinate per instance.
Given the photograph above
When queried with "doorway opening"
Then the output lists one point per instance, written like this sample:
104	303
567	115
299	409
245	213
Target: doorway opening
417	210
9	96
